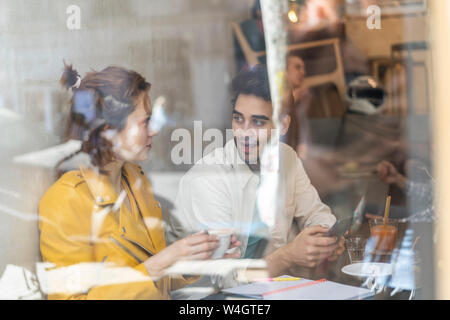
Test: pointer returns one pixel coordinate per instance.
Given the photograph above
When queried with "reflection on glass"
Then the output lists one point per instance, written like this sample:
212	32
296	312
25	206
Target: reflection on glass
330	109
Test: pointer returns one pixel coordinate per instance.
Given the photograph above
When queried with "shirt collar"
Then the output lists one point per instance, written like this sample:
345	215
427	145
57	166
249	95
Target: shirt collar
234	161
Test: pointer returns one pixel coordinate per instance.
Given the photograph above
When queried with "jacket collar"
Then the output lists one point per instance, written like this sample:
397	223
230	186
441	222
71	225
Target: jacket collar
101	188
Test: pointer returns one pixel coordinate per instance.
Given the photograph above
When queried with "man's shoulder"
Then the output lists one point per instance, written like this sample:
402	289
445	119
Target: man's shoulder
287	150
218	160
289	156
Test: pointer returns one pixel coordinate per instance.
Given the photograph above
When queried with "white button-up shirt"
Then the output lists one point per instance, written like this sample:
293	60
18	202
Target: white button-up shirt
220	192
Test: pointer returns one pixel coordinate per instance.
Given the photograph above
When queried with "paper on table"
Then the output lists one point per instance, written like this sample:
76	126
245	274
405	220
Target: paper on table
257	289
302	289
18	283
326	290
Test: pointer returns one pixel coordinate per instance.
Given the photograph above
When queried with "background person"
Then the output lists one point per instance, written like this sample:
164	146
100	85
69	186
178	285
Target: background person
420	194
295	76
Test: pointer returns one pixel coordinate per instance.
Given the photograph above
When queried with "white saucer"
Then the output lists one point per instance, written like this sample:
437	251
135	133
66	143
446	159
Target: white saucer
368	269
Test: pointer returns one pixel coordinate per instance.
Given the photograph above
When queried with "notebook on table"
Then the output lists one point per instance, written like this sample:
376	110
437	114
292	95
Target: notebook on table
302	289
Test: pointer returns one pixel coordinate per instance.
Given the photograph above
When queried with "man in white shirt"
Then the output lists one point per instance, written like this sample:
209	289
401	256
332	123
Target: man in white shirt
223	190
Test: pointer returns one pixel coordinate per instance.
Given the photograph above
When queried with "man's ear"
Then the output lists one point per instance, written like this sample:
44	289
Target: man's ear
285	122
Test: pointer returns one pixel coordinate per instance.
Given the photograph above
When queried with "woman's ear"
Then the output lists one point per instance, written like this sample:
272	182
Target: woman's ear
108	133
285	122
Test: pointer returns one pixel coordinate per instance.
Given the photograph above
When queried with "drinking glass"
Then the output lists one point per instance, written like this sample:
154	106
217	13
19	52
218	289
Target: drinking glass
355	246
384	235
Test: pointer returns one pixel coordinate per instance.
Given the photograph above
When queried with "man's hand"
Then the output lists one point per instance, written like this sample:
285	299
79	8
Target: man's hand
389	174
311	247
338	251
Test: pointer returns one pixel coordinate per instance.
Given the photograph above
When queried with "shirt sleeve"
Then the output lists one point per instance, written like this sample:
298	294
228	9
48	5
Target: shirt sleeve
310	210
421	196
420	191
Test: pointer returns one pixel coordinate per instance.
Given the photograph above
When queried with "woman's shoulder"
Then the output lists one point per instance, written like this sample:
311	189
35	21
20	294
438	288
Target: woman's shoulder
71	179
67	204
69	186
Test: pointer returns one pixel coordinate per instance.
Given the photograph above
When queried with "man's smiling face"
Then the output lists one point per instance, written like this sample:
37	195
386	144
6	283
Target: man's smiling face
251	124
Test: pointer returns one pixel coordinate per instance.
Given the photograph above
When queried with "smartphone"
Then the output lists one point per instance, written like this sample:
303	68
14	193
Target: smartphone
340	227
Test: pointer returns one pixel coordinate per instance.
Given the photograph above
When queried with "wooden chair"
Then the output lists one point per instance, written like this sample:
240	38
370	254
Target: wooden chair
404	66
335	77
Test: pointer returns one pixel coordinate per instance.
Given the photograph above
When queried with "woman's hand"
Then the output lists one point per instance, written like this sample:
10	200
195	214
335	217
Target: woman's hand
198	246
234	243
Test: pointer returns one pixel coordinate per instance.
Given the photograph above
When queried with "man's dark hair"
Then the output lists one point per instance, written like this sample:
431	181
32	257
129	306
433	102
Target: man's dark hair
256	7
296	53
253	81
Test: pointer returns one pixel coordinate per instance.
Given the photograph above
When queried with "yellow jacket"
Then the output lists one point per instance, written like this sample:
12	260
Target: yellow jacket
80	226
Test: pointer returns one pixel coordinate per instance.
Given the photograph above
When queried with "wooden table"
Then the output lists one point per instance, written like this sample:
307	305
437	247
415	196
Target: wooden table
333	271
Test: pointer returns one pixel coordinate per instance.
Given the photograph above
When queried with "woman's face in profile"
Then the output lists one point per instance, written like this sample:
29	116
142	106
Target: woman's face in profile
135	140
295	71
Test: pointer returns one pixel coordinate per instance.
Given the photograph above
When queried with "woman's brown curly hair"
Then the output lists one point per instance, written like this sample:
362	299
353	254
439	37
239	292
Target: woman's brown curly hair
101	100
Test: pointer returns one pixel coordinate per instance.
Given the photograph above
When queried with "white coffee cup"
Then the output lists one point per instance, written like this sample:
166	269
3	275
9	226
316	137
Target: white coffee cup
224	236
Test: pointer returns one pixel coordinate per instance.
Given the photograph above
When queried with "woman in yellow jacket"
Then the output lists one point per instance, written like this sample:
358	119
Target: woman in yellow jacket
101	229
